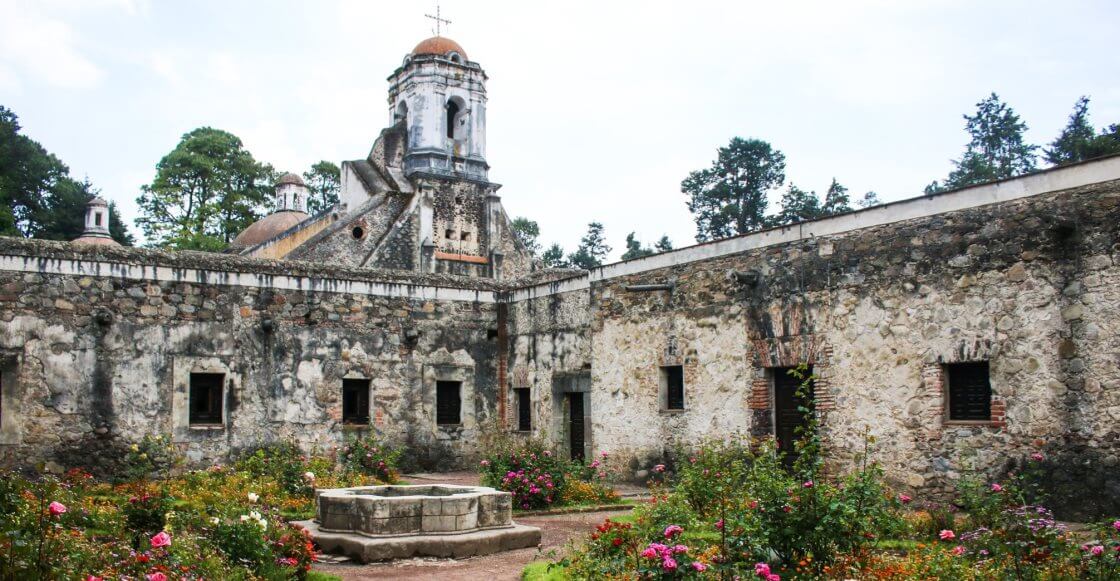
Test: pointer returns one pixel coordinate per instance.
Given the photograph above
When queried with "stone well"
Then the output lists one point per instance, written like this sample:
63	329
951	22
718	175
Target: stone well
375	523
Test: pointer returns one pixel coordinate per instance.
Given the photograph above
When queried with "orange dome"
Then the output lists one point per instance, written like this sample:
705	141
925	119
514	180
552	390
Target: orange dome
439	45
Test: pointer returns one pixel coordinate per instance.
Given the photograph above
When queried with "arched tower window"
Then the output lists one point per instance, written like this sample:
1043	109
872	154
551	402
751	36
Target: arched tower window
452	118
401	114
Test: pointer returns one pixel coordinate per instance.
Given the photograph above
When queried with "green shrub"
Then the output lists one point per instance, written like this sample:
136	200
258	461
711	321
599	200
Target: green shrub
372	457
151	457
282	461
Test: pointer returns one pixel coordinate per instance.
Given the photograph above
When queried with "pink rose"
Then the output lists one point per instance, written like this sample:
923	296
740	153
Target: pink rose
754	504
56	508
997	488
669	564
958	550
808	484
484	463
659	468
157	577
700	567
761	569
1097	551
672	530
680	549
649	553
904	499
773	577
947	535
161	540
1116	525
719	525
1036	457
93	578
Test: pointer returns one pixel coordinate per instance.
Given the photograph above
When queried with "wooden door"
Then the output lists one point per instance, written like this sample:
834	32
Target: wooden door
787	418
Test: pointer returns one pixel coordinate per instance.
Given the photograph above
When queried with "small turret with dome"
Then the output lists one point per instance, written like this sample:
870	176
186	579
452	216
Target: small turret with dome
97	225
290	210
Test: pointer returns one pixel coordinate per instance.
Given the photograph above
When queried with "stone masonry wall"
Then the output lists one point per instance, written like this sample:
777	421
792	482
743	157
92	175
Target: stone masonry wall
98	361
1029	285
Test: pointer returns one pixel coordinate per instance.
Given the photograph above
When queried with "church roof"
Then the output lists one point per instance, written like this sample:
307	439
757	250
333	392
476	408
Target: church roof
439	45
267	227
291	178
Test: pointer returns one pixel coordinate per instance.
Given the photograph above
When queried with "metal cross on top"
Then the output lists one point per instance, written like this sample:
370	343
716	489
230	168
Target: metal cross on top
439	20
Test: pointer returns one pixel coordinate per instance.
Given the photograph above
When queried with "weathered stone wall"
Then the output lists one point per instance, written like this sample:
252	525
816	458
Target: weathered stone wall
1028	285
549	350
102	358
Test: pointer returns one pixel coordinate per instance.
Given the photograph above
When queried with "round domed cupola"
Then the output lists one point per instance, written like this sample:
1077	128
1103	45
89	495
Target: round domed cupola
441	46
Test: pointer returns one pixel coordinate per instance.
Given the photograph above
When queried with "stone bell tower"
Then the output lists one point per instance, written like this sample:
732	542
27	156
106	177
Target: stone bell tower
441	97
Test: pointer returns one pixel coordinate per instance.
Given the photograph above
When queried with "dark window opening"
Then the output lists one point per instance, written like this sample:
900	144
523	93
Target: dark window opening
524	409
452	113
206	398
672	377
491	334
358	232
465	236
355	401
97	218
449	403
790	408
970	391
449	234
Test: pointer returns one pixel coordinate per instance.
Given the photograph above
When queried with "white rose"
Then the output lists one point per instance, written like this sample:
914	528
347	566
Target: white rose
253	497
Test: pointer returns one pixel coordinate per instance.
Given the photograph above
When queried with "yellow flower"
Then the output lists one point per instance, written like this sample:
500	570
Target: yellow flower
135	448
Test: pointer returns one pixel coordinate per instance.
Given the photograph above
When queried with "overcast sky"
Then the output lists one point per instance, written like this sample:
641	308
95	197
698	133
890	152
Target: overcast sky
597	110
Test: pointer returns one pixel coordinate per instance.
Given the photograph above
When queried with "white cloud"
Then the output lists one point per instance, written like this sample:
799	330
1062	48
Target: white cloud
44	47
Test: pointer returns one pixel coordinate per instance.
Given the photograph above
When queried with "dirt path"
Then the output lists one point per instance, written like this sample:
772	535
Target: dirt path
556	531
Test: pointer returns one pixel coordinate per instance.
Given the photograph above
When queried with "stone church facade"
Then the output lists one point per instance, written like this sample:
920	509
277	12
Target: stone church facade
961	329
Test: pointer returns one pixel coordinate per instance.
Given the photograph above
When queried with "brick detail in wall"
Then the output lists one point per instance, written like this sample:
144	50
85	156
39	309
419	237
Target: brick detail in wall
824	396
760	393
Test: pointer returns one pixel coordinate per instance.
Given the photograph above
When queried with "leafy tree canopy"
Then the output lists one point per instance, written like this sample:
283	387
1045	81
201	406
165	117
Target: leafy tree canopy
38	198
205	192
528	232
869	199
730	198
324	179
799	205
553	257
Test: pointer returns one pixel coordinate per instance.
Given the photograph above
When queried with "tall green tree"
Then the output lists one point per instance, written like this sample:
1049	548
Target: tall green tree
798	205
634	248
324	179
206	191
28	175
1079	141
869	199
996	149
730	198
528	232
664	244
38	198
592	250
553	257
63	216
836	200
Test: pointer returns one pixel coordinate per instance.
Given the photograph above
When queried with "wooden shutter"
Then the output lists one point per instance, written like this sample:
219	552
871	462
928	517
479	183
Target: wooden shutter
970	392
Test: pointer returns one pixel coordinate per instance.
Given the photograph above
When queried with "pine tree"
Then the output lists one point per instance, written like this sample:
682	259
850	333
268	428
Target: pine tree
869	199
592	250
798	205
634	249
729	198
664	244
1078	141
996	150
836	200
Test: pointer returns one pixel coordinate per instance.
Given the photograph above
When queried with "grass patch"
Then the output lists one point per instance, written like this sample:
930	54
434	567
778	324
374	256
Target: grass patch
320	576
543	571
896	545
